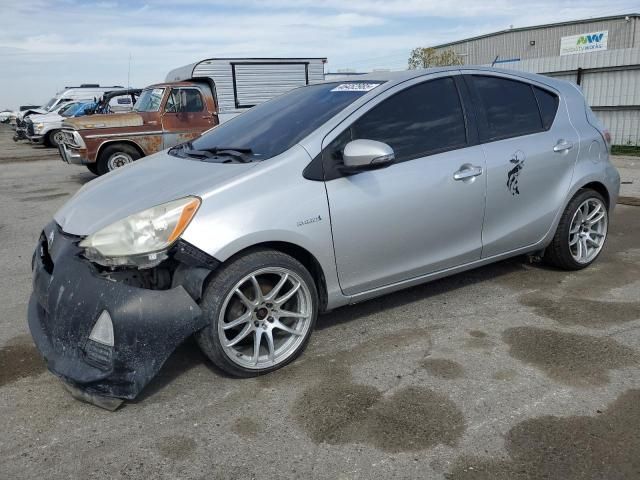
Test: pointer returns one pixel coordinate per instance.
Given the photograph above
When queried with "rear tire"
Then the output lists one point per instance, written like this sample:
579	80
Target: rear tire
93	168
115	156
581	232
278	318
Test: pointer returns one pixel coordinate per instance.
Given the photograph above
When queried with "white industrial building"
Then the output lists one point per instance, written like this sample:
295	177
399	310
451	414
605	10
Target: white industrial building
602	55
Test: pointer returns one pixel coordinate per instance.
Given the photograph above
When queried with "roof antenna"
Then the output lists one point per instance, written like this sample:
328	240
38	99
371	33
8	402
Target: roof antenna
129	72
495	60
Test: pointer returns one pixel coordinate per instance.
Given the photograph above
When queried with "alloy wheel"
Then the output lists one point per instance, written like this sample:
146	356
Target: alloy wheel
588	230
265	318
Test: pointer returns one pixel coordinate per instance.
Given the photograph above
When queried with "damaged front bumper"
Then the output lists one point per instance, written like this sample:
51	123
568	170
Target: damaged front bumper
143	326
70	155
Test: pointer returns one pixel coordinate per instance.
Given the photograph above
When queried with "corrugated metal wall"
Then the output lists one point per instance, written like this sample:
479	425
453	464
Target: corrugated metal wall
516	43
625	124
258	83
276	79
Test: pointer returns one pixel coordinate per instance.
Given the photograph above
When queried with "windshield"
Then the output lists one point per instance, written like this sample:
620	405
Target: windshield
149	100
73	109
50	103
275	126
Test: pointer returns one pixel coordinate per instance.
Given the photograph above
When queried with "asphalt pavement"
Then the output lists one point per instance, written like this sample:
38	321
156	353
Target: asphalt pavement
511	371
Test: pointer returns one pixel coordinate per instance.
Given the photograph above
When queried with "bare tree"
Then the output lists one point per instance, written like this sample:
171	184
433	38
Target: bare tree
429	57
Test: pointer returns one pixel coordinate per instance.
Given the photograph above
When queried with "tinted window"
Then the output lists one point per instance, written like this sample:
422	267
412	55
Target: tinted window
275	126
420	120
509	107
548	103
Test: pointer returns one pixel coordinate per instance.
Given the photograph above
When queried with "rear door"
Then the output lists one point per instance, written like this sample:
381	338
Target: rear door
531	149
185	116
418	215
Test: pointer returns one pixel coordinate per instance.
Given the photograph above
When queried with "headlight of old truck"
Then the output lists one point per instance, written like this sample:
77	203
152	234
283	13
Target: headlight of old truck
141	239
38	126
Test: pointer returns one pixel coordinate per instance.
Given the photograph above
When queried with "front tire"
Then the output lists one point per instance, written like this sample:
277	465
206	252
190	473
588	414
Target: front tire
93	168
261	309
581	232
116	156
54	138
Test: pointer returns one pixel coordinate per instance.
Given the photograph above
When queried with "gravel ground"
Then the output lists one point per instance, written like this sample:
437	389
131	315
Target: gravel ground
511	371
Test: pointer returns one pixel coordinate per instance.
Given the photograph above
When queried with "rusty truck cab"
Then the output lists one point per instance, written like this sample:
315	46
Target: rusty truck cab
165	115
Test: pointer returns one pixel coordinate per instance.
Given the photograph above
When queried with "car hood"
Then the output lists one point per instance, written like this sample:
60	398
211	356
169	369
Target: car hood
111	120
31	111
147	182
46	118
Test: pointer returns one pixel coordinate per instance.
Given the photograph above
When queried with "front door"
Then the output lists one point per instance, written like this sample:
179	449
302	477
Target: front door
421	214
185	116
531	149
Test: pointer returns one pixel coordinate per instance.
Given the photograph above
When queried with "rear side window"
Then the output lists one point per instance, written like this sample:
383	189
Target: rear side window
548	103
421	120
509	107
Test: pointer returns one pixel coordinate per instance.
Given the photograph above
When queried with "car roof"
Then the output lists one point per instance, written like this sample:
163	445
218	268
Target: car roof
173	84
394	78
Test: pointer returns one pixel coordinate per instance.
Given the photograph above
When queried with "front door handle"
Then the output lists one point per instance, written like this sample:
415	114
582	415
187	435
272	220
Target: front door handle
562	146
467	171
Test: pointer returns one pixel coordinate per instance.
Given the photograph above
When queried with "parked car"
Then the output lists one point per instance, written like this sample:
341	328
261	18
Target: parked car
195	98
47	129
6	116
327	195
66	95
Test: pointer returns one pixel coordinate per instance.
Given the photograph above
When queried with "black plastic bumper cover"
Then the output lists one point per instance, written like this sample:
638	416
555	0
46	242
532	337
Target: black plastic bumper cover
69	296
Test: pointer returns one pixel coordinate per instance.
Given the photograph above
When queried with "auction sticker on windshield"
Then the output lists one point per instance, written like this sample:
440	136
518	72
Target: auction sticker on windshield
355	87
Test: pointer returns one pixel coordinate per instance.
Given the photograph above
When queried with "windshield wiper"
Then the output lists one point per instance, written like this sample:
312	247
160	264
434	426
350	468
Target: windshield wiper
241	155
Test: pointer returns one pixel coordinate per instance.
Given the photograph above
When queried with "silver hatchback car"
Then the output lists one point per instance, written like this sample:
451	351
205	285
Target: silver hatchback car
327	195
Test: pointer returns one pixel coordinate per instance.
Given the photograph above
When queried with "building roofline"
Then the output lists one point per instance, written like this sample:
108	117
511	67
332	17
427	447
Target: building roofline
535	27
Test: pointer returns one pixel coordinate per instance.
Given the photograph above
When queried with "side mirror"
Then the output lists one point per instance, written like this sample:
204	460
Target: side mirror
361	155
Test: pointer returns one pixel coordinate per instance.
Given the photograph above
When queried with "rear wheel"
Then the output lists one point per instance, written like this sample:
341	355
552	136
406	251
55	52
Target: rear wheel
261	309
93	168
116	156
581	233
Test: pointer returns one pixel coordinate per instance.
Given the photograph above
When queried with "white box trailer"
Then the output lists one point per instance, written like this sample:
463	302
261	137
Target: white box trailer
241	83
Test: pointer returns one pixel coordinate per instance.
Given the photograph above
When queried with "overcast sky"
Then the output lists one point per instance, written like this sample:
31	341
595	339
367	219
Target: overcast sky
47	44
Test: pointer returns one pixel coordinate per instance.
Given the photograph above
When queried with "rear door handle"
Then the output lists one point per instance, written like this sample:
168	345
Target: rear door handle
562	146
467	171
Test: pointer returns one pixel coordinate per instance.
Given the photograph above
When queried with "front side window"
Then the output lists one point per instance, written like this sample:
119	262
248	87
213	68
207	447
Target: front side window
184	100
422	120
149	100
509	106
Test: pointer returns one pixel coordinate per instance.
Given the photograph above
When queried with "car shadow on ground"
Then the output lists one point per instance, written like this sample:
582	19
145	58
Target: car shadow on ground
188	355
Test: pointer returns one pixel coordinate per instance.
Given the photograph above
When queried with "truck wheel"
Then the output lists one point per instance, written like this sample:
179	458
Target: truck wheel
581	232
93	168
115	156
54	138
261	309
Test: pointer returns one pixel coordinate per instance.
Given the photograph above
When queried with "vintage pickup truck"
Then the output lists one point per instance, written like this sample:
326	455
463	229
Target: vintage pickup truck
195	98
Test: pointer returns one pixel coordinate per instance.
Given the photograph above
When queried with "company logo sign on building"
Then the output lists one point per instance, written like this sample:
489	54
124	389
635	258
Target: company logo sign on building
584	43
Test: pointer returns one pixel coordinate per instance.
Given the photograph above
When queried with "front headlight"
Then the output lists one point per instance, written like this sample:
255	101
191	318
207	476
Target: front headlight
39	126
143	238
